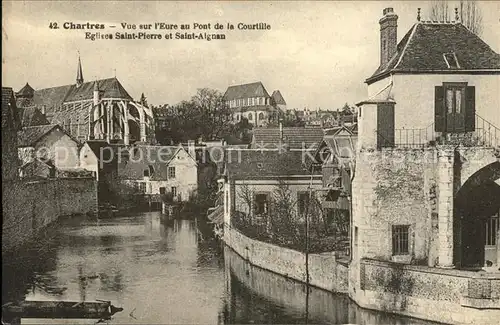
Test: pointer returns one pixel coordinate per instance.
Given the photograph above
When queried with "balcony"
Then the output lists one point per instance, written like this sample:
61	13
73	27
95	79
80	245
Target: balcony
484	135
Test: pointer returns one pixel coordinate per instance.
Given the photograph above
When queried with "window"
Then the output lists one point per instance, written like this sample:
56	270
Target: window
492	226
238	117
174	191
162	190
171	172
261	203
150	188
451	60
250	116
400	238
261	116
142	187
302	201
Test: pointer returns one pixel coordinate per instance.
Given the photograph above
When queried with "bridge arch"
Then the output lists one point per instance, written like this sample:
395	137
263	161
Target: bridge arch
476	213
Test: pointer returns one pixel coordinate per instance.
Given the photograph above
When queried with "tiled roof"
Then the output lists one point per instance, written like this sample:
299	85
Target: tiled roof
265	164
24	102
30	135
294	137
56	96
26	91
10	118
31	116
255	89
278	98
110	88
423	47
143	156
51	97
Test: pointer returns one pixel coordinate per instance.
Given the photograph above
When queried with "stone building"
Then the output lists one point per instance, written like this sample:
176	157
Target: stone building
426	193
100	109
252	101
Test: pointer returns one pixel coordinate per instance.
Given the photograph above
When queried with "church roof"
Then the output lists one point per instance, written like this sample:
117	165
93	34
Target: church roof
110	88
278	98
26	91
56	96
423	49
255	89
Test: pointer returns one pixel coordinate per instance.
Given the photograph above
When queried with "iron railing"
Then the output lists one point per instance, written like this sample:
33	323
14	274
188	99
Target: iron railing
485	134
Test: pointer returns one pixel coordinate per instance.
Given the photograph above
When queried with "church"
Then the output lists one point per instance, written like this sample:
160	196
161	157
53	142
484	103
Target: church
93	110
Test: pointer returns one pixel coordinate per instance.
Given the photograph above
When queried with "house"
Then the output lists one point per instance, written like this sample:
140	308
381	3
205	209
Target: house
425	92
253	102
253	176
294	138
48	143
11	124
337	155
278	100
152	171
94	110
30	115
426	189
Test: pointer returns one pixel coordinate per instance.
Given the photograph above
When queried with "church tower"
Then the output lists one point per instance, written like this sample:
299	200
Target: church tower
79	73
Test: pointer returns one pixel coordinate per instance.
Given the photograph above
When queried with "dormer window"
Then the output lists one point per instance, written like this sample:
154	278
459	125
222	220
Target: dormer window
451	60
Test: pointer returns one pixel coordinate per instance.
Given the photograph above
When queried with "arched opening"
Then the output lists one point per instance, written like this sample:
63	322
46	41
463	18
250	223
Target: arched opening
477	209
134	131
250	117
261	116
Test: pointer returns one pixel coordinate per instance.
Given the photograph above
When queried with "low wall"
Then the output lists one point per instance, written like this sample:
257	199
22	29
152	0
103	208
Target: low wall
29	207
443	295
324	271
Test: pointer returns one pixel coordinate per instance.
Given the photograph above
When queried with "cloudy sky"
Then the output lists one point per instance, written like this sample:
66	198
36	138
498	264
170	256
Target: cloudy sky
317	54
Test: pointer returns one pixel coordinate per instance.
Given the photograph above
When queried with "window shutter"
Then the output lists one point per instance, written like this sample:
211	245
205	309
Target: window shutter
439	113
470	109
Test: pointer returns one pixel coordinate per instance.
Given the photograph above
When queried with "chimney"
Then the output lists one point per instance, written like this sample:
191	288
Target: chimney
388	35
192	148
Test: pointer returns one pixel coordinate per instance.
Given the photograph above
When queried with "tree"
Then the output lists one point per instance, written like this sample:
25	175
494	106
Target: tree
469	13
205	115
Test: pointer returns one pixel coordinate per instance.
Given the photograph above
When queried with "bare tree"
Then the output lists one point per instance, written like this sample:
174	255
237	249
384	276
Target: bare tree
469	13
245	195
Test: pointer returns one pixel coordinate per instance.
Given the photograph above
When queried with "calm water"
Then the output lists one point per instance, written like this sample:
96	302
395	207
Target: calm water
172	274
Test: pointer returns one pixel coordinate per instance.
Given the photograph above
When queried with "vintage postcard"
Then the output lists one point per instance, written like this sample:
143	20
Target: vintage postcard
250	162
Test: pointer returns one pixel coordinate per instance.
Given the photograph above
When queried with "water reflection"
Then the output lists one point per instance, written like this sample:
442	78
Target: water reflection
258	296
175	274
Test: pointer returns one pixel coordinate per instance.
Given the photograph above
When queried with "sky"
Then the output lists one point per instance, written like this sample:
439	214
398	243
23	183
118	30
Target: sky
317	54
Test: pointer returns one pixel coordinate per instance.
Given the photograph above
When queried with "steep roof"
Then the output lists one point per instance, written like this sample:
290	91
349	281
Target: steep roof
423	47
32	116
10	118
110	88
264	164
294	137
278	98
56	96
26	91
30	135
255	89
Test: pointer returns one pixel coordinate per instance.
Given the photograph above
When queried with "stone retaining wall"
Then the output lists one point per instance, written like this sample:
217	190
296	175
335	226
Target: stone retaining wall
324	271
29	207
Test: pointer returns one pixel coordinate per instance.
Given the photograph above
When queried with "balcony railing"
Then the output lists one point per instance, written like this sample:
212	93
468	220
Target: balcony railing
484	135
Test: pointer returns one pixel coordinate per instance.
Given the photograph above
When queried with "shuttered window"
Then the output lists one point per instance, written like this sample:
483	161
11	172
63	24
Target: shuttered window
451	101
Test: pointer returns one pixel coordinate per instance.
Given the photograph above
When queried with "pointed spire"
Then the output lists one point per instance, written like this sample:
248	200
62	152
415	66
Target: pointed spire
79	73
96	85
418	14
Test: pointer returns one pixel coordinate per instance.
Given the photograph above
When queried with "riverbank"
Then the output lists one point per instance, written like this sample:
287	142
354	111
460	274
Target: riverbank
413	291
31	206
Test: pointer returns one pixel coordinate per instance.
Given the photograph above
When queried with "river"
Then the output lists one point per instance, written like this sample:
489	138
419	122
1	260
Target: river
160	274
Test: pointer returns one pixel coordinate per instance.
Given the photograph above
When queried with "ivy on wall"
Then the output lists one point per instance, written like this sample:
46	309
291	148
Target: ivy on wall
399	182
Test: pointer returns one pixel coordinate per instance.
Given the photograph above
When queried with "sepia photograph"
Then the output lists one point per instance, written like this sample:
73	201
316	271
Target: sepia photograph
250	162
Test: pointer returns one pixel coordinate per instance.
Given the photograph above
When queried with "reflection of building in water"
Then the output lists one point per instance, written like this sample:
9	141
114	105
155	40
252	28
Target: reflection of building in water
256	295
